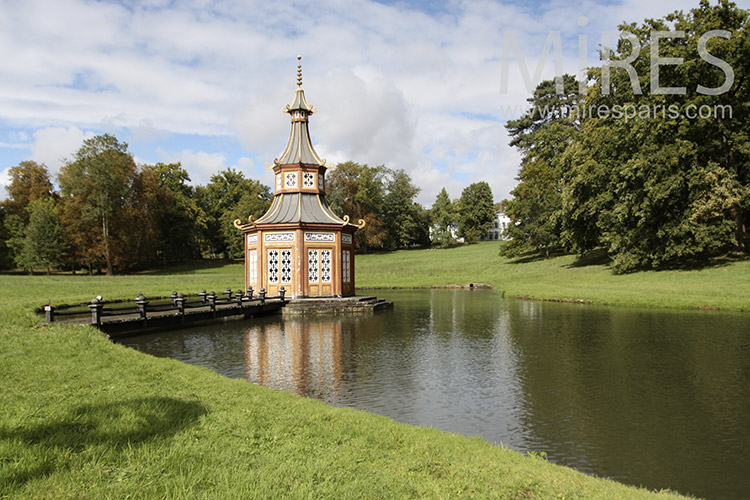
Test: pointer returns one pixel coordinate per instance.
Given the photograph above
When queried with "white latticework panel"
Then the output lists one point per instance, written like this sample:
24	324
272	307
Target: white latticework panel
312	266
273	266
325	266
308	180
286	266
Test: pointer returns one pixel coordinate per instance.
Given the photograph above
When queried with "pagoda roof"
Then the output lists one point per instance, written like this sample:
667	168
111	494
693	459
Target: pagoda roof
308	208
299	103
299	149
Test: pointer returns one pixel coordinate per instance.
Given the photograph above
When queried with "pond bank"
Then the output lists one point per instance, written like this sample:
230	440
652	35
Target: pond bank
723	287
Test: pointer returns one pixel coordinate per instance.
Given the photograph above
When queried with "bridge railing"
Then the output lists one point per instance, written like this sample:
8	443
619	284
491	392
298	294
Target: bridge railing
99	308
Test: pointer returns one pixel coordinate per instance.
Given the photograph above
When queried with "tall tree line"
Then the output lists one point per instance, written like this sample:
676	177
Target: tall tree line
115	216
385	200
658	179
111	215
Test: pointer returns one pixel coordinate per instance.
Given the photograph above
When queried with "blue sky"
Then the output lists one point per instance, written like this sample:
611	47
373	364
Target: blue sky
412	85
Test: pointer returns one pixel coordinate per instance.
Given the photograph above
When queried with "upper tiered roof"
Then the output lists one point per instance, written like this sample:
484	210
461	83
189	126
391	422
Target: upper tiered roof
299	149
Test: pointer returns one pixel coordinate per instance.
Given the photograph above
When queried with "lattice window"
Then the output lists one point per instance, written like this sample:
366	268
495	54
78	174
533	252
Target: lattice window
252	262
286	266
346	266
308	180
278	181
273	266
312	266
291	179
325	266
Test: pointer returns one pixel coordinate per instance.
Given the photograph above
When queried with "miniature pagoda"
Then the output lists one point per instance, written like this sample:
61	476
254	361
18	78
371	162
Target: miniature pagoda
299	243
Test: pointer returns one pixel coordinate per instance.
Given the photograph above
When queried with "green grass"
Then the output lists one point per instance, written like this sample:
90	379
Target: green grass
724	287
82	417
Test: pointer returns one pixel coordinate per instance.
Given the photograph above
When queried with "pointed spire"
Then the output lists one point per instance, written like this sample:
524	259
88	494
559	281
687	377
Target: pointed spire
299	103
300	148
299	71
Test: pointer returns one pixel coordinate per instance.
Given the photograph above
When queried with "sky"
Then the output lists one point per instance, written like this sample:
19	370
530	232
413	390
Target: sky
409	85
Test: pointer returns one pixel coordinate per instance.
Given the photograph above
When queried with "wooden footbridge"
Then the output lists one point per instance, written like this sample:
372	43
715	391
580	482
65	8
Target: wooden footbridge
121	318
142	315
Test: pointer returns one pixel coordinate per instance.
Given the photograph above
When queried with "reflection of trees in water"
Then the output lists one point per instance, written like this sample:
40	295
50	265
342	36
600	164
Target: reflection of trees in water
301	355
641	396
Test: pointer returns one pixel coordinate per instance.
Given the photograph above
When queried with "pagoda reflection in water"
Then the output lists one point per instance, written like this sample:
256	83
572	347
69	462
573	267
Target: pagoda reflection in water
300	355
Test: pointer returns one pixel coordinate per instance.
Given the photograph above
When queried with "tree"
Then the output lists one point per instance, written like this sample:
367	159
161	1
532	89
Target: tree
443	217
252	203
219	199
29	181
542	134
476	211
406	221
97	184
183	224
663	188
45	244
140	223
6	258
15	230
359	192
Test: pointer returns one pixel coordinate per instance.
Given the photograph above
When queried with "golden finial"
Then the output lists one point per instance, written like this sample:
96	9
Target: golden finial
299	72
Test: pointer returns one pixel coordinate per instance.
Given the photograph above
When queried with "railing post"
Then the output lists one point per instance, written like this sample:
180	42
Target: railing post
141	303
202	295
174	298
96	310
238	296
282	292
228	294
262	296
49	313
180	302
250	292
212	302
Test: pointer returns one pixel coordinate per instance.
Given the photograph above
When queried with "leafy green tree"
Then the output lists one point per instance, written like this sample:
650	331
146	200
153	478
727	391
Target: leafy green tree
476	211
184	222
45	244
97	182
359	192
6	258
443	217
407	223
253	203
541	135
662	188
16	241
219	200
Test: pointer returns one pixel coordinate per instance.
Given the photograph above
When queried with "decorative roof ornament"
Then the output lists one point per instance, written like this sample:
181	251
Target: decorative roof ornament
299	71
299	149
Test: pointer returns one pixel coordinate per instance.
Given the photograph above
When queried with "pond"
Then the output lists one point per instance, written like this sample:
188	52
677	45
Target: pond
646	397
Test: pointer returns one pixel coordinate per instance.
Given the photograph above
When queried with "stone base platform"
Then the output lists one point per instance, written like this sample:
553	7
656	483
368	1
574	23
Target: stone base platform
328	305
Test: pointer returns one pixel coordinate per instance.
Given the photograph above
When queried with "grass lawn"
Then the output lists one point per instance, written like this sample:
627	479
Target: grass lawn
82	417
562	278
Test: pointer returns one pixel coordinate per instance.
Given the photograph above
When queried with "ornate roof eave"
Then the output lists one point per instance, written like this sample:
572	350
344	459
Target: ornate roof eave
244	227
300	103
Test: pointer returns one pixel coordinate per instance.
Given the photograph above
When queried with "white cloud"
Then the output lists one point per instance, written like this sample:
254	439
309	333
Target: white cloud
4	182
199	164
54	145
414	90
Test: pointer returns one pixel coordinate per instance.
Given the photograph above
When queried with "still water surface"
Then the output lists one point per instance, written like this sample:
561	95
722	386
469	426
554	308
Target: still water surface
653	398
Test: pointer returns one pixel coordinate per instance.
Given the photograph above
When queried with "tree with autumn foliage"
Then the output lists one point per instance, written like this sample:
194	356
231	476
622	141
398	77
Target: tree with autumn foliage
95	190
